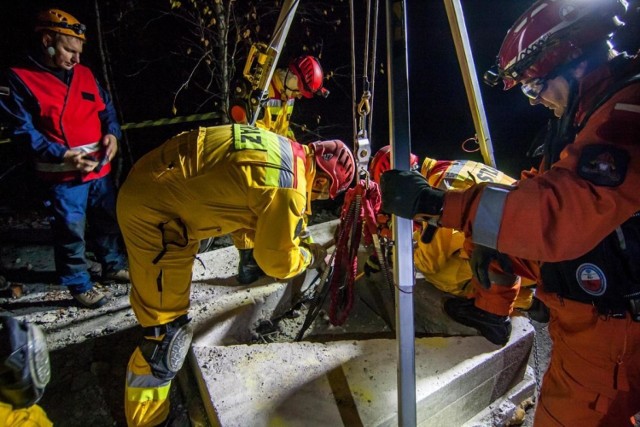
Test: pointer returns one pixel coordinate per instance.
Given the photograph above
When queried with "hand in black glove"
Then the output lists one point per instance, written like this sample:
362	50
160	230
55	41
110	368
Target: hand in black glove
407	194
481	257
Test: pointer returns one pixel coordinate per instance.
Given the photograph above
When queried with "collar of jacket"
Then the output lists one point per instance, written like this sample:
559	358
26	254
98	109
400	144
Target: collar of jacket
62	74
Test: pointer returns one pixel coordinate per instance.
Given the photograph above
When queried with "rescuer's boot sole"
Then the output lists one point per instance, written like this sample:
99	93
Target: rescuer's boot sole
494	328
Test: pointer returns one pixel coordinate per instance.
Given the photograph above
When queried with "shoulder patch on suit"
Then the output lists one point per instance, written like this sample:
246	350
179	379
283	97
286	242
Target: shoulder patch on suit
603	164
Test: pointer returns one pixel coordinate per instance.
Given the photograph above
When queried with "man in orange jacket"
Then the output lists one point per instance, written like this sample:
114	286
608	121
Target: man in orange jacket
574	227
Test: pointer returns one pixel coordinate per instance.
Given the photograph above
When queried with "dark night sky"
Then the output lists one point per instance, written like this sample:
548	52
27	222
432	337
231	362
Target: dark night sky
440	117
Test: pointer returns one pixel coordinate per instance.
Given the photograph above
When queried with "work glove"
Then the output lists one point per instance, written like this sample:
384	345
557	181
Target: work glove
407	194
481	258
318	255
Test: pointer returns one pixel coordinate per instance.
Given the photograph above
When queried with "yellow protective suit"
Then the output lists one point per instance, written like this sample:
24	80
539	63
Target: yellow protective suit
444	261
278	109
200	184
276	119
33	416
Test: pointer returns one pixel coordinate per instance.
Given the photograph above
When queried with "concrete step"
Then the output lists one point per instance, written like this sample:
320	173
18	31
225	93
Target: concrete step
346	375
350	383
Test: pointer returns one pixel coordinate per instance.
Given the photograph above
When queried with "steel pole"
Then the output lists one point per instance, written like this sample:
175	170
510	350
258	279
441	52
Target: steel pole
465	58
400	137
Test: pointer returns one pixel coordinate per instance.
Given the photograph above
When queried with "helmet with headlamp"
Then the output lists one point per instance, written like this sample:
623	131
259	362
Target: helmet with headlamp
60	22
550	34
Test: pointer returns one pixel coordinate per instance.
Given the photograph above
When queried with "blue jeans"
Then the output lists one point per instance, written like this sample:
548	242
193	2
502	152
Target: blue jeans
74	205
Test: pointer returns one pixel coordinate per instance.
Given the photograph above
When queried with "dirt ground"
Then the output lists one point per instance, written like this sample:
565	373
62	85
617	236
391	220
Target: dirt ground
90	348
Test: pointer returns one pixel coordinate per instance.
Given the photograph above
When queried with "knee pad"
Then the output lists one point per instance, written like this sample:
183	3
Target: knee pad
24	363
165	347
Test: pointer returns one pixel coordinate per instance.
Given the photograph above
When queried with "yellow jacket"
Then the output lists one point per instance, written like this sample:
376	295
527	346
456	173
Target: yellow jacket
33	416
216	180
278	110
443	261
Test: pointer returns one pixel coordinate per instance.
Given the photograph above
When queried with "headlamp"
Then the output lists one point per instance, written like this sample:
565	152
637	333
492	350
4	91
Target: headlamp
79	29
491	77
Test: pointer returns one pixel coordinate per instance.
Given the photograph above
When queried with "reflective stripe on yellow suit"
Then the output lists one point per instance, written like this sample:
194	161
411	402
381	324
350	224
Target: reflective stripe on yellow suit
33	416
276	119
197	185
146	400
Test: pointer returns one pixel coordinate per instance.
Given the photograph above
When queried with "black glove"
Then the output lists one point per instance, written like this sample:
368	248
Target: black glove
407	194
481	257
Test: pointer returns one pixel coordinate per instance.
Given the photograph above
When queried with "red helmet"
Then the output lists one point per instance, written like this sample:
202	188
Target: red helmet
381	162
310	76
336	160
549	34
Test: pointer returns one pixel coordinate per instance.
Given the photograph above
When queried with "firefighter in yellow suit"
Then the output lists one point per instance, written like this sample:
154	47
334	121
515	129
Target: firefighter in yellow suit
302	78
443	260
207	183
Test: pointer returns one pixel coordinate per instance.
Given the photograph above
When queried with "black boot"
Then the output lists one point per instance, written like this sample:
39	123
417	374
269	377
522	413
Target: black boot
496	329
248	269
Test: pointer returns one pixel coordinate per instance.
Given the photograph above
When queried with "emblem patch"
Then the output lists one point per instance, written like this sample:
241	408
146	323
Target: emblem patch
603	165
591	279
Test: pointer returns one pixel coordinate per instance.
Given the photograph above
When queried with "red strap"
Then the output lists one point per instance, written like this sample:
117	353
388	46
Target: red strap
350	233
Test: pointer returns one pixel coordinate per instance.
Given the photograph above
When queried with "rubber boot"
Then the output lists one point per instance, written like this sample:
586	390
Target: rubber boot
248	269
496	329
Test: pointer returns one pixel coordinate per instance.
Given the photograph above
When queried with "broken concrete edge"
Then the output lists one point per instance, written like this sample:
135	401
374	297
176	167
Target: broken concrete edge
509	409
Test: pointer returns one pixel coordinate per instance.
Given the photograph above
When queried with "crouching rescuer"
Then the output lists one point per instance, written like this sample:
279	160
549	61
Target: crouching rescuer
206	183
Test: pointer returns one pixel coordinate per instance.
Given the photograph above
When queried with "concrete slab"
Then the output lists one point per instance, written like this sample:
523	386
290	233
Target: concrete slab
350	383
347	376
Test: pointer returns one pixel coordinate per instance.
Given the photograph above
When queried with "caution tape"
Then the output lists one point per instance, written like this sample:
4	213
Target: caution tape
172	121
160	122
